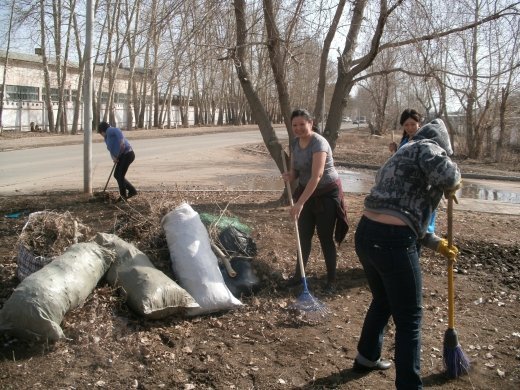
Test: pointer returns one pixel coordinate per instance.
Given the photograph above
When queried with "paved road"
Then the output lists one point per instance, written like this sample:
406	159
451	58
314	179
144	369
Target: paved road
208	161
163	162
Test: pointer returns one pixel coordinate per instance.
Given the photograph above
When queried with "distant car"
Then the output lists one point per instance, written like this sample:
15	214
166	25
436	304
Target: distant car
355	122
347	119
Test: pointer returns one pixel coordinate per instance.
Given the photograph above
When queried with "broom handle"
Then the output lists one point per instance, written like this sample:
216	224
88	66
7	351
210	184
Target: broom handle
289	194
451	289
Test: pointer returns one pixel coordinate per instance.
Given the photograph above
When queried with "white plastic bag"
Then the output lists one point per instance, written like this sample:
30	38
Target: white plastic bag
149	292
39	303
194	263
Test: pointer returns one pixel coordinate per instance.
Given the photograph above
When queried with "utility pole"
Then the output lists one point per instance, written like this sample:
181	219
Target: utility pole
87	104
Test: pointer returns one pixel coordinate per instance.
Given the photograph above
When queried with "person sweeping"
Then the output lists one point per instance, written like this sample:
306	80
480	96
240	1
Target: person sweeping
397	211
122	154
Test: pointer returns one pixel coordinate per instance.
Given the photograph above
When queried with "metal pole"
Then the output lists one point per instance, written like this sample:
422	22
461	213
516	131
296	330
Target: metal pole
87	104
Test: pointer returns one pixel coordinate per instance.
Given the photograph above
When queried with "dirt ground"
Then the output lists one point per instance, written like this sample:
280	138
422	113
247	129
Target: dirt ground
263	345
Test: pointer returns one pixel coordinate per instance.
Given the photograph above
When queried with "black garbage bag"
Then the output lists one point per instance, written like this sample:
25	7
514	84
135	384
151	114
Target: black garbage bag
246	282
237	243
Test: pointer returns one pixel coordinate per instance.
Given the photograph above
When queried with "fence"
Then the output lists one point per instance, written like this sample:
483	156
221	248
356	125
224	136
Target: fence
22	115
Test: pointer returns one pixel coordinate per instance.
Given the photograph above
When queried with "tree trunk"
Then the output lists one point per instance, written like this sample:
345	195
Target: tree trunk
260	115
45	66
6	64
319	108
277	64
504	130
345	76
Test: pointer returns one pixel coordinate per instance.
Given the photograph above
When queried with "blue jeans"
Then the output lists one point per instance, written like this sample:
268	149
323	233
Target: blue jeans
389	257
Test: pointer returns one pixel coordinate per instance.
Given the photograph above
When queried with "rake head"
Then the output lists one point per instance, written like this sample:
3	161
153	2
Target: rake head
309	306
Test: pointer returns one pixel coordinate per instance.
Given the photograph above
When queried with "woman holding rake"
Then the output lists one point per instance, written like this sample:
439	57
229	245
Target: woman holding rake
397	212
319	203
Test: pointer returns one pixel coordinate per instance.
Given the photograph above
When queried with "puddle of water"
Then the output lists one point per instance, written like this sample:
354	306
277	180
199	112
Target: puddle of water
356	182
474	190
361	182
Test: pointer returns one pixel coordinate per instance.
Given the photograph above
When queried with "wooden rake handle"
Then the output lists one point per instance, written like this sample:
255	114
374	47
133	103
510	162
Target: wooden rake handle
289	194
109	176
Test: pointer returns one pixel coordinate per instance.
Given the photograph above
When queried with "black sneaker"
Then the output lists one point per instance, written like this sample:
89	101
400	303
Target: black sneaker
121	200
330	289
131	194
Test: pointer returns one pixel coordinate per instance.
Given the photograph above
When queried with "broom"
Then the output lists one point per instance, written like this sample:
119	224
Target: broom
306	302
456	362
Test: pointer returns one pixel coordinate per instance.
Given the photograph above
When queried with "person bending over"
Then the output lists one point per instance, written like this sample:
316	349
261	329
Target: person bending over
396	215
122	154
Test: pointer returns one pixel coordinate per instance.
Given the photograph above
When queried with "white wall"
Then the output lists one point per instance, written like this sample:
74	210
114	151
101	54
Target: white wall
19	115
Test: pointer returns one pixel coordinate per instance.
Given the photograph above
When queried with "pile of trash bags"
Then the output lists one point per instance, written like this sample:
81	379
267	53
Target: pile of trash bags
50	288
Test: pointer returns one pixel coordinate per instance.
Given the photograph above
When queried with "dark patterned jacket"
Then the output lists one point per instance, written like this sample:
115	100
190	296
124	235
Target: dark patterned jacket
411	183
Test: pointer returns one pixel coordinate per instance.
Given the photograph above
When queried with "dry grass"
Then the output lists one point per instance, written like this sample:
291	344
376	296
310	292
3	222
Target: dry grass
49	233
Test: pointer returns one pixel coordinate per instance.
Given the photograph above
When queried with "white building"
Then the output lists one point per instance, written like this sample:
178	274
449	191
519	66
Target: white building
24	97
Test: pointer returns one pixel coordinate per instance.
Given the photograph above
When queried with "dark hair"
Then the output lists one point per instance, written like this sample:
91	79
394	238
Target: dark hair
302	112
102	127
410	113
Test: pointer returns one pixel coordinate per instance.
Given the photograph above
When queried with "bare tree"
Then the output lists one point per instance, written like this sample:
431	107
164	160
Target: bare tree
507	111
81	74
45	67
258	111
6	64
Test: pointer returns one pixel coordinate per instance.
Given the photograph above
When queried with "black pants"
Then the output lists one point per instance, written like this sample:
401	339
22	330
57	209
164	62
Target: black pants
120	172
319	214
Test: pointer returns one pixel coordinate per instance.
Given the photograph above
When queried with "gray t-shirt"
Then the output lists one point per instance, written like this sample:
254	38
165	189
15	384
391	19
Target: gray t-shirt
302	160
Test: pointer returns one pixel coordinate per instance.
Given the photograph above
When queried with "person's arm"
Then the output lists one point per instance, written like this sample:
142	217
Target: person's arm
439	245
115	143
441	171
291	175
318	167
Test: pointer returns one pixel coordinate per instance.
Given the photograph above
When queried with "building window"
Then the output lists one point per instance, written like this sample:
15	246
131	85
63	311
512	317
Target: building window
54	94
120	98
20	92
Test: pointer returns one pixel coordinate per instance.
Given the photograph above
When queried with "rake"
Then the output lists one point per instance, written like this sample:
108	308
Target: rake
306	303
103	195
455	360
109	176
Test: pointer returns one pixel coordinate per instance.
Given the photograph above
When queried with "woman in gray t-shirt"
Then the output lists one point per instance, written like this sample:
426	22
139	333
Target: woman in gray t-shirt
319	203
